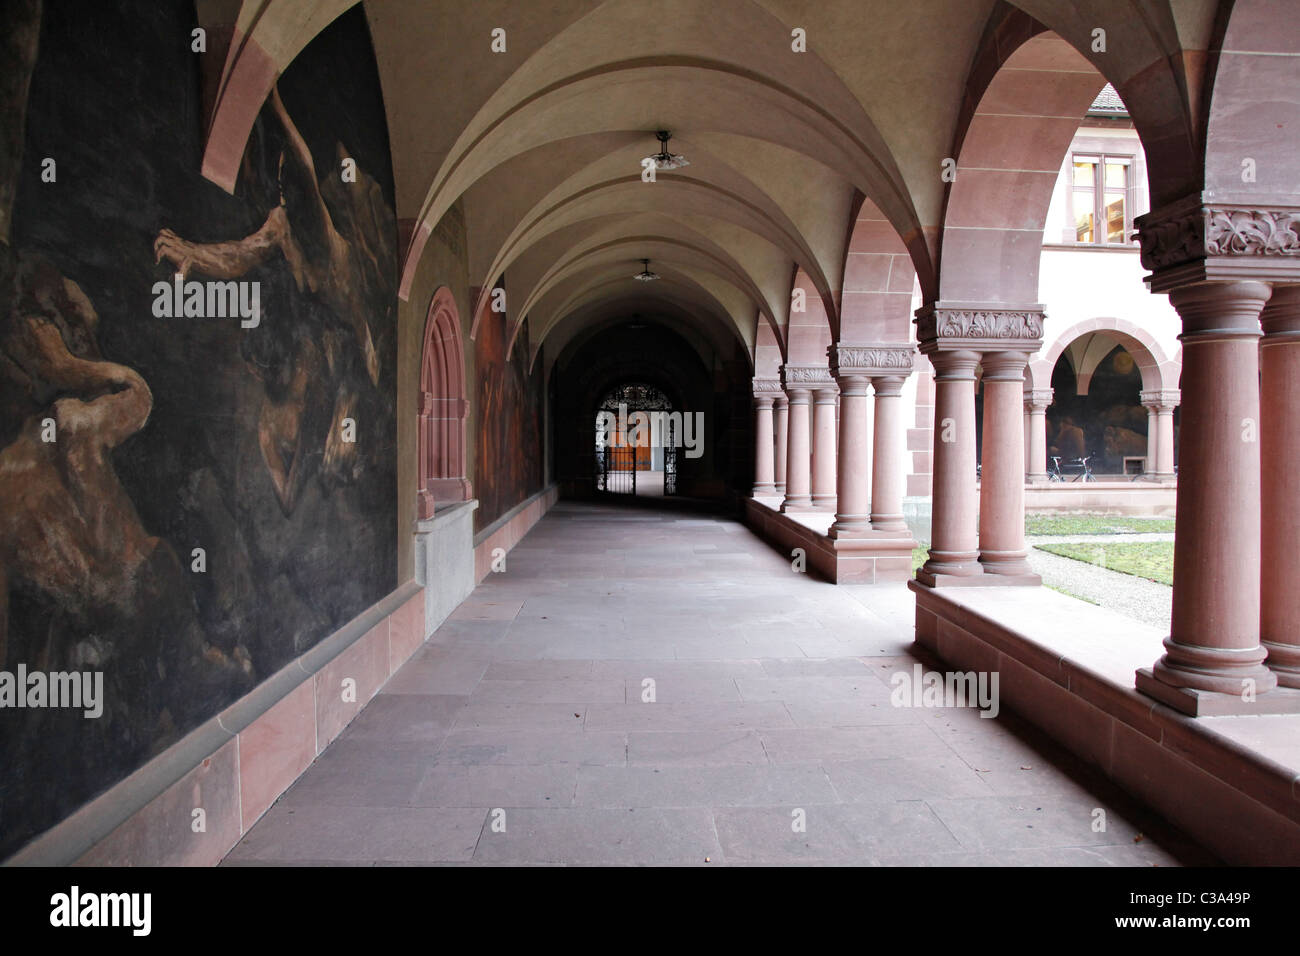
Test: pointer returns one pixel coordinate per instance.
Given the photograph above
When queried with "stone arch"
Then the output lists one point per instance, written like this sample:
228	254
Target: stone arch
1156	370
1252	110
808	333
879	275
264	41
1022	110
443	408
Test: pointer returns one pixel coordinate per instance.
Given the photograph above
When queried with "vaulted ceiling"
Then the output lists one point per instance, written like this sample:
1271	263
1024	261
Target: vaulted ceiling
541	145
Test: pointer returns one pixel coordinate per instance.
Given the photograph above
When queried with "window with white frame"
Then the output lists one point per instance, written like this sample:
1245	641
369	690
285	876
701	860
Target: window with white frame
1101	198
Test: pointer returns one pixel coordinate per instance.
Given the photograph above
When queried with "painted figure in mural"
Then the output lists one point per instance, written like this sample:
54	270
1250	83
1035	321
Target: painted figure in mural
70	535
334	235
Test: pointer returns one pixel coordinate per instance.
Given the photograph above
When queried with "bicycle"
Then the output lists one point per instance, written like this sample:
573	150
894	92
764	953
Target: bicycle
1082	463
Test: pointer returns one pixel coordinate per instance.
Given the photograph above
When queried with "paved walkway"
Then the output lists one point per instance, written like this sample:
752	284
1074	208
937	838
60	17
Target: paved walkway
519	735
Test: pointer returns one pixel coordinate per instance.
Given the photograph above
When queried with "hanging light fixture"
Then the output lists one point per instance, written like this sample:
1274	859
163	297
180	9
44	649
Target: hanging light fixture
645	275
664	159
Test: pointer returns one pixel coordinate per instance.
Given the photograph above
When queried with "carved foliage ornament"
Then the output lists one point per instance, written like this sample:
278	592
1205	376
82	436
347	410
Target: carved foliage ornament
806	374
844	357
979	324
1195	233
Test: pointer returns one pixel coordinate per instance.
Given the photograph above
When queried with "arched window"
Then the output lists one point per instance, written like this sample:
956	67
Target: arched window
443	408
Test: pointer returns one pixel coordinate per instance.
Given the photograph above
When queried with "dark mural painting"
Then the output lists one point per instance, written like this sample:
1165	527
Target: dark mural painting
1108	424
508	452
187	502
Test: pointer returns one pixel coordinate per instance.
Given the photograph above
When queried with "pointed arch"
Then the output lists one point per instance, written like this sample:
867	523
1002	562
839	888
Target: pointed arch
443	408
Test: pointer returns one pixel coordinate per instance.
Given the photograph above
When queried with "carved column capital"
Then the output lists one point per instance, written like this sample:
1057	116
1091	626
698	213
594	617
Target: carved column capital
1037	399
799	380
999	327
1193	240
869	361
766	390
1160	399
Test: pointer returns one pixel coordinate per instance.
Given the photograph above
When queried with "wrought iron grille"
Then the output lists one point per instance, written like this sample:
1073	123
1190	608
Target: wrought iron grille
670	462
616	469
616	462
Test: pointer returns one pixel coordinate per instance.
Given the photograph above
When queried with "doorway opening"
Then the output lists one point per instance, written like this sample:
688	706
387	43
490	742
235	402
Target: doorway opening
637	435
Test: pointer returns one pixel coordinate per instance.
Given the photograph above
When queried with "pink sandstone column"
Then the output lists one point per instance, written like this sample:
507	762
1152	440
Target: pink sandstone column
797	469
764	471
887	474
1160	404
1279	437
1038	400
782	415
1165	439
1002	488
953	546
1214	642
1026	430
1153	437
823	449
852	515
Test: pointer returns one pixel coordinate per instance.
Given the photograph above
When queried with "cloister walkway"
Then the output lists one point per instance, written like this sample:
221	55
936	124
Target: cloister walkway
519	733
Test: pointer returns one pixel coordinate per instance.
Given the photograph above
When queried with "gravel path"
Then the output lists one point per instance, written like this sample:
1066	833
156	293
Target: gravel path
1125	594
1098	538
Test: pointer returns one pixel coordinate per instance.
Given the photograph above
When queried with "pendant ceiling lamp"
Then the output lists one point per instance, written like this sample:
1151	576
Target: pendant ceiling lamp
664	159
645	275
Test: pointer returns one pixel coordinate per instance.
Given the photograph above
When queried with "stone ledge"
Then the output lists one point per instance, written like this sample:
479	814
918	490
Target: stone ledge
1231	782
872	558
144	819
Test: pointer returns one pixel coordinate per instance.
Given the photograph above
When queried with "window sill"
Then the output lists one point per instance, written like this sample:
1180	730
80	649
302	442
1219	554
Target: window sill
1094	247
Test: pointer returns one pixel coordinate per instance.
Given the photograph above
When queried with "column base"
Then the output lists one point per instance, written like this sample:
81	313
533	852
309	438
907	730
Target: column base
850	526
951	569
1208	703
800	503
1219	670
888	522
823	502
779	488
765	490
1012	566
1284	661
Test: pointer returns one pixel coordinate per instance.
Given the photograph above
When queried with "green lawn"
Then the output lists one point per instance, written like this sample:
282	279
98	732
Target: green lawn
1068	593
1153	560
1096	524
918	557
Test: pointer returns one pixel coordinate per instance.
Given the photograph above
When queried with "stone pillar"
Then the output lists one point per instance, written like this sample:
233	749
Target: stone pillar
823	448
764	464
852	495
888	473
798	382
953	546
1160	404
1037	401
1002	488
1165	439
1213	661
1153	441
955	336
781	412
871	474
1279	437
1026	429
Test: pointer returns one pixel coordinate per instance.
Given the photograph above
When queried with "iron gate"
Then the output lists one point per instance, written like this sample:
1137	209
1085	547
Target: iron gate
616	469
616	461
